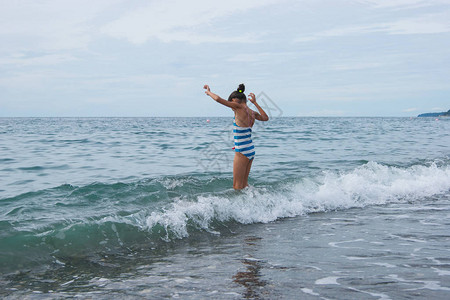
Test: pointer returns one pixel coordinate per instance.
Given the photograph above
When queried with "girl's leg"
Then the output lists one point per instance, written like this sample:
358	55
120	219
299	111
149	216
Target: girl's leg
240	165
247	172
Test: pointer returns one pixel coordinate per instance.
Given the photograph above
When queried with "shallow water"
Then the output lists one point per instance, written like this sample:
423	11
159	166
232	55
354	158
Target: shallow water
338	208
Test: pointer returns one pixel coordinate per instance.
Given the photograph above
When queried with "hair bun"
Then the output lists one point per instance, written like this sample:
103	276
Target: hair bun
241	88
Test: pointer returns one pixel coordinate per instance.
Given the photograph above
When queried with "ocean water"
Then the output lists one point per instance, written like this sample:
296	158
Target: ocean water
143	208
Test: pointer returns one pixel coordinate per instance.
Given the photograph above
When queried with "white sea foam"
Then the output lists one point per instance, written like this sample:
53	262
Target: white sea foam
327	280
386	265
441	272
309	291
370	184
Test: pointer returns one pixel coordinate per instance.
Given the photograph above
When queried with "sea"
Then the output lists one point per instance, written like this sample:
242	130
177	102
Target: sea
143	208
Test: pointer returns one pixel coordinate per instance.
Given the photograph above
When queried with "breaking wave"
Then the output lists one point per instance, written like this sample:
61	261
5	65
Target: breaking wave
67	221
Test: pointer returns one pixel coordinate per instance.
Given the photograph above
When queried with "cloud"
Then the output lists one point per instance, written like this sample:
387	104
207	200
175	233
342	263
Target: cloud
403	4
437	109
356	66
429	24
22	59
178	20
426	24
49	25
263	56
410	109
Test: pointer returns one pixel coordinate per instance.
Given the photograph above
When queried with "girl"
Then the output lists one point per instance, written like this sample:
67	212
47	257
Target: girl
244	118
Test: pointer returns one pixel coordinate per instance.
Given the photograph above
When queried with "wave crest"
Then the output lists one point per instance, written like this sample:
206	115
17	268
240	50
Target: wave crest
370	184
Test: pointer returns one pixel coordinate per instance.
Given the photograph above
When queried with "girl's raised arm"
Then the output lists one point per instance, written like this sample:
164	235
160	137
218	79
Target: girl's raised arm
261	116
230	104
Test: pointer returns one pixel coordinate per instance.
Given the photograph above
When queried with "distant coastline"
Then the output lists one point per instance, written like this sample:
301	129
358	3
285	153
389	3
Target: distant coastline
439	114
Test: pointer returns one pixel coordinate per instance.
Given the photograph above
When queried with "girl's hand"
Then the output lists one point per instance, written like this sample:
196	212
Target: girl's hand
208	91
252	98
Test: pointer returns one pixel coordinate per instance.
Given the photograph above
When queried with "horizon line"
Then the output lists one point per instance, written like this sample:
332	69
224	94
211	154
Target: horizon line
305	116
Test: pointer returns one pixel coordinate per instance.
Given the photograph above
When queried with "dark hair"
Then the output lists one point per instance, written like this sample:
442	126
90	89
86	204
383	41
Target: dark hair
239	94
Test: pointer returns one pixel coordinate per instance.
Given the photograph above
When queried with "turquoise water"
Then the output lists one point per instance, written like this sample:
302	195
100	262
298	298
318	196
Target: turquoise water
144	208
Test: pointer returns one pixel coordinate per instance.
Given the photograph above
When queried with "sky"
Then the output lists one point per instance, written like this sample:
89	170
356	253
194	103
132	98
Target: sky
151	58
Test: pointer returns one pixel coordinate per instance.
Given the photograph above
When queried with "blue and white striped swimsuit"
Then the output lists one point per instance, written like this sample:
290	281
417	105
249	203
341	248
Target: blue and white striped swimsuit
243	140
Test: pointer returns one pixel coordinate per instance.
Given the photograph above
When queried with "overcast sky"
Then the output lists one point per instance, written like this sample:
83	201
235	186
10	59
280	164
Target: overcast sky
152	58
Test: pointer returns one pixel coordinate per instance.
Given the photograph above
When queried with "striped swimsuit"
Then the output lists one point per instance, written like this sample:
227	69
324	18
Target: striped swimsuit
243	140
